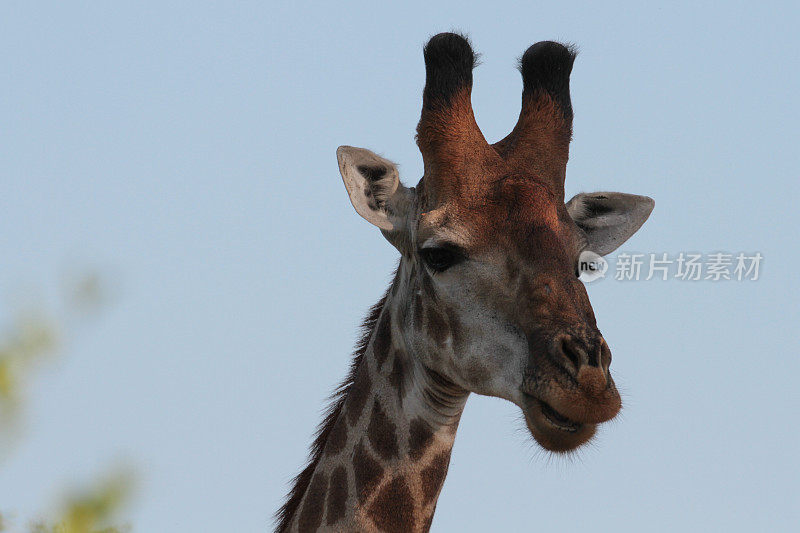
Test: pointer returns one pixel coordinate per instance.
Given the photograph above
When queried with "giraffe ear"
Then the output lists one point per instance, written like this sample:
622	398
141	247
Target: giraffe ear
609	218
374	187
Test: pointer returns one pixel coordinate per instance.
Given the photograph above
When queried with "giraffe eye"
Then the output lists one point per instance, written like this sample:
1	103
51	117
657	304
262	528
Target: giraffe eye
440	258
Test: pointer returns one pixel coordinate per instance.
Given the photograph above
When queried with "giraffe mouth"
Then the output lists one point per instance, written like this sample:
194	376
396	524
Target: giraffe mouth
557	419
553	430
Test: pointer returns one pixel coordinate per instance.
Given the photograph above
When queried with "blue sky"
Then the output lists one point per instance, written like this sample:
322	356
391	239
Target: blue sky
187	150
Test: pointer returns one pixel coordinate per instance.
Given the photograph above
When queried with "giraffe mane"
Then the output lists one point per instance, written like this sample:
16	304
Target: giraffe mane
331	413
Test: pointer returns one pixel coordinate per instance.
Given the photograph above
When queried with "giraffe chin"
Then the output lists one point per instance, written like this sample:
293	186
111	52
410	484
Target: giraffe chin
552	430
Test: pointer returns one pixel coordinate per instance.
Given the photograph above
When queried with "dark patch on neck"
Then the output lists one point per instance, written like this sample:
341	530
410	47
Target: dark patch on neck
393	508
367	471
382	433
397	377
383	338
433	475
337	498
419	438
358	394
337	437
301	482
311	515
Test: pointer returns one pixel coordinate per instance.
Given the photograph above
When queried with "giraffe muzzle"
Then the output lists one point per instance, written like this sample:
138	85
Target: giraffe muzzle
568	389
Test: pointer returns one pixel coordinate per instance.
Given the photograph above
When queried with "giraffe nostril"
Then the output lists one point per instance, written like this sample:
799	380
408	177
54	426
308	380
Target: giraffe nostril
572	353
594	356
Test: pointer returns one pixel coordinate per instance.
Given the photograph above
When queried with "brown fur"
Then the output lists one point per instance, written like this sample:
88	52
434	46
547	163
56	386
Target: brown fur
433	475
393	508
429	521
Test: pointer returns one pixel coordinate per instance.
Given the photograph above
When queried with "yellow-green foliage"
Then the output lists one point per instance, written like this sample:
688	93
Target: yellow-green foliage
93	510
30	339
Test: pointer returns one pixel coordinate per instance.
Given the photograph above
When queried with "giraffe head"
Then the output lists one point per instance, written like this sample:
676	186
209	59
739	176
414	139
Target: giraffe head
490	297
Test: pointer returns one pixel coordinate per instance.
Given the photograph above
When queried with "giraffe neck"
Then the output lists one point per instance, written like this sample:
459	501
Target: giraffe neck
386	455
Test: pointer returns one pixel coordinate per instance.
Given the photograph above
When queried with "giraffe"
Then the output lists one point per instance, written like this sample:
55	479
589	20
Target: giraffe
485	299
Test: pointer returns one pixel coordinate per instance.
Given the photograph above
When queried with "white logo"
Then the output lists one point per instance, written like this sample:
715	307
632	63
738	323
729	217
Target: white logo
591	266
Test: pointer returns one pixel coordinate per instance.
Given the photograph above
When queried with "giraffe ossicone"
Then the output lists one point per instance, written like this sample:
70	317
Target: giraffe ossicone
486	299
